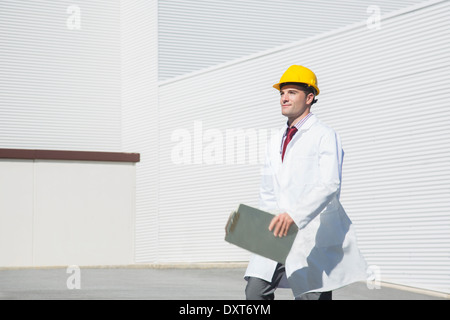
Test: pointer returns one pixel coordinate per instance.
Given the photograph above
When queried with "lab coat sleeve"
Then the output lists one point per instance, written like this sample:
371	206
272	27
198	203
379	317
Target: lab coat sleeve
325	186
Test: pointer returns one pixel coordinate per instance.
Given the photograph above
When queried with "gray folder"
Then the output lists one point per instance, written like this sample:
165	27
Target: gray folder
248	228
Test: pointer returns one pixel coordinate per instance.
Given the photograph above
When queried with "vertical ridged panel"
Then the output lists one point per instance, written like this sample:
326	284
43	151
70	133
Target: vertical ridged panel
140	116
59	84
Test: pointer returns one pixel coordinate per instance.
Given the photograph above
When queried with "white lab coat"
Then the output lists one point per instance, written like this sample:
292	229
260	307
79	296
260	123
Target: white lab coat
306	185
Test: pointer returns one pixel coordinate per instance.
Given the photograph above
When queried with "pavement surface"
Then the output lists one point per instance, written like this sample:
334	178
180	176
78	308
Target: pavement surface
171	283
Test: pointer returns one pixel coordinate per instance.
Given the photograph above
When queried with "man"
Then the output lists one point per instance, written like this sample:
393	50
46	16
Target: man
301	183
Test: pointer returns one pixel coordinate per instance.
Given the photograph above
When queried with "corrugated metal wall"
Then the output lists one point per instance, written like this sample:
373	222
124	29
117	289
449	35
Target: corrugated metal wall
60	75
384	90
73	77
140	115
196	34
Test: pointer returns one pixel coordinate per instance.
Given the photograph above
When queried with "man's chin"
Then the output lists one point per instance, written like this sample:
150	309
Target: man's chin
284	113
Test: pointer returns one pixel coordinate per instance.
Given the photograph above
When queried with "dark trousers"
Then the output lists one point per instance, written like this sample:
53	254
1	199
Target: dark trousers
259	289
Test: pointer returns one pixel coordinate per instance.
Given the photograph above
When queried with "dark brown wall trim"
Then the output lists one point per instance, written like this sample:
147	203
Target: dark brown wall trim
68	155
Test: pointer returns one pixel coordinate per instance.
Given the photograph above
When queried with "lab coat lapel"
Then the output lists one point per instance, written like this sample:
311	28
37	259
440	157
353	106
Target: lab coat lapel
282	168
298	136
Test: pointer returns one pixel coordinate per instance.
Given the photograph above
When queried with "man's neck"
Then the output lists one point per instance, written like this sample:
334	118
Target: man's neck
294	121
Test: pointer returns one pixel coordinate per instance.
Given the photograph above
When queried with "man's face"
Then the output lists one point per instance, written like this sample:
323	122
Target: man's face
294	102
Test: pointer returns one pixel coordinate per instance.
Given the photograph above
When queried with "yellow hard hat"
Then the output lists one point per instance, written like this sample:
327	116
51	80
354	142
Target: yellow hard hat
298	74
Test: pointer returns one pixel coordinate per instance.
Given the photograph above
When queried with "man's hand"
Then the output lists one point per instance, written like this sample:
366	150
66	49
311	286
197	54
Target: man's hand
281	223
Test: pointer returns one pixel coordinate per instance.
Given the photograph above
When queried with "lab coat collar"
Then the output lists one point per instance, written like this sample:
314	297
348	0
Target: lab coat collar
306	125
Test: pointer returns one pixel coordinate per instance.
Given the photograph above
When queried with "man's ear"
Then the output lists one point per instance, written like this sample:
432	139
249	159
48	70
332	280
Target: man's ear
309	98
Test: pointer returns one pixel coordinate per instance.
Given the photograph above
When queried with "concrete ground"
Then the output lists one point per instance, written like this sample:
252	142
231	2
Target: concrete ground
172	283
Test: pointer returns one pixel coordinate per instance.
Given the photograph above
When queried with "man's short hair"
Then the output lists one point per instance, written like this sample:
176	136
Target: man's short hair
306	88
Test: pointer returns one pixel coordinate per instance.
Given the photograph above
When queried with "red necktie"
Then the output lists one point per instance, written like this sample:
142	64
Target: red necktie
290	133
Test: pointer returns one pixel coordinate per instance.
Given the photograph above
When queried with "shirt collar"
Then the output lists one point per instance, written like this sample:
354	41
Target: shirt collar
299	123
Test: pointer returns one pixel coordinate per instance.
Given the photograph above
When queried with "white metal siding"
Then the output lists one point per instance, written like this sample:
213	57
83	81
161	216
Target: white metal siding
196	34
59	84
140	116
385	91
